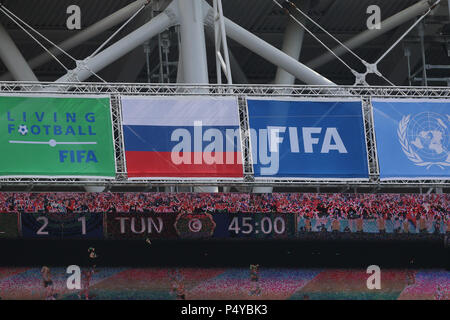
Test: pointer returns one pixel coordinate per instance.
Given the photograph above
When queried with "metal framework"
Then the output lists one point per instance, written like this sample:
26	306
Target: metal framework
220	40
191	15
241	92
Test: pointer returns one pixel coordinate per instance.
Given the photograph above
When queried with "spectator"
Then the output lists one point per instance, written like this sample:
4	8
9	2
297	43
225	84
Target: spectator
406	226
359	224
381	224
316	209
336	225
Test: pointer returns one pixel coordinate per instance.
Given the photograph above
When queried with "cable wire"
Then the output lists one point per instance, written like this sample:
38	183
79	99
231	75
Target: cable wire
117	31
32	37
313	35
17	19
324	30
370	68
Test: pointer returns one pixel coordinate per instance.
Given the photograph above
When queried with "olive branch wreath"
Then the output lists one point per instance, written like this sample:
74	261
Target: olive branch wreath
408	150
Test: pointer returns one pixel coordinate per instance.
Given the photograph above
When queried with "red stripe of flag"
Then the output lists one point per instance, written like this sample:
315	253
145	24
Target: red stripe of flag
142	164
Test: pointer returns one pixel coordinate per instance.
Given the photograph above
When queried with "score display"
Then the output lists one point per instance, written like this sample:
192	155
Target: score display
143	225
62	225
129	226
172	226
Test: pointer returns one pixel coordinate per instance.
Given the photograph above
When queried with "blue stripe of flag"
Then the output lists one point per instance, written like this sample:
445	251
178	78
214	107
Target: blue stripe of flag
158	138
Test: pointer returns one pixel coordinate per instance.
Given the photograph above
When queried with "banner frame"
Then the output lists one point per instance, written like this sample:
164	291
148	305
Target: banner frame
183	96
312	99
69	96
403	100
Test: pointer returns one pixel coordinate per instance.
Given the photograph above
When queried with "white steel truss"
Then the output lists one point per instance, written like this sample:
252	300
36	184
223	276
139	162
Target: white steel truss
225	90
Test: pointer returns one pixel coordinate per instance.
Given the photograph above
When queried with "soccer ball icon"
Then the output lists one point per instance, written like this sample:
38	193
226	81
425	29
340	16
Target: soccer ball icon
23	130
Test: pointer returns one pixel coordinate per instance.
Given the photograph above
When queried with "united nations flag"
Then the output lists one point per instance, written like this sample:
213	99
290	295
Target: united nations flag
412	138
425	139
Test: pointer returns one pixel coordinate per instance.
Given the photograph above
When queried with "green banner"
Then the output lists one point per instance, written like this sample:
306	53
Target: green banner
56	137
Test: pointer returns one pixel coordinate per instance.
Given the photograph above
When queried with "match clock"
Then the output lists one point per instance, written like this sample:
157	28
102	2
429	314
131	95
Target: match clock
255	226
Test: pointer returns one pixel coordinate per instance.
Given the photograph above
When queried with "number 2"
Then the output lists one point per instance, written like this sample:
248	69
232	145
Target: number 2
41	230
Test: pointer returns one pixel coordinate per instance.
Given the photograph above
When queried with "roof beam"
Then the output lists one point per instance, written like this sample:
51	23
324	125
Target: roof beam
85	35
13	59
96	63
269	52
387	25
293	42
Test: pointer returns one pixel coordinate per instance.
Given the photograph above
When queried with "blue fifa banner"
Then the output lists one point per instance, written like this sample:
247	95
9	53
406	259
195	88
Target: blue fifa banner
413	138
308	139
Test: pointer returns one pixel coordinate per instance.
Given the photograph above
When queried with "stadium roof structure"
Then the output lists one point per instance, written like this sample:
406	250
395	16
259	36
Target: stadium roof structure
343	19
155	45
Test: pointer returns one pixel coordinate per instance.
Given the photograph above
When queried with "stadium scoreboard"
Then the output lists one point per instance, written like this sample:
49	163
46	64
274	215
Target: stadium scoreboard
147	225
191	226
9	225
62	226
255	226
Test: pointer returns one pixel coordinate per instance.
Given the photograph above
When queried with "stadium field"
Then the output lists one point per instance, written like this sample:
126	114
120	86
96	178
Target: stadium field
232	284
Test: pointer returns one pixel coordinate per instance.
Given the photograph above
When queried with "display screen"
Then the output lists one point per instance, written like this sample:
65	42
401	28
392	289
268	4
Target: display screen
122	226
122	216
9	225
62	226
255	226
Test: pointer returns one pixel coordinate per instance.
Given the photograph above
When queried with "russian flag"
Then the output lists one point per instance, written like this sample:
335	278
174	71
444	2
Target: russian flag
182	137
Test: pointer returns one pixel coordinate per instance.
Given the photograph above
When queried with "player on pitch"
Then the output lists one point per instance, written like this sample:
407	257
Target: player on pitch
47	282
254	278
87	276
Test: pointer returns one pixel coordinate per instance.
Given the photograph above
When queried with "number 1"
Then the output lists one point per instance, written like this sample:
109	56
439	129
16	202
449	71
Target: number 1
83	225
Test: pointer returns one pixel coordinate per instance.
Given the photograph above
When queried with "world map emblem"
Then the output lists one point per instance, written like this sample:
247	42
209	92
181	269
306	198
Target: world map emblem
425	139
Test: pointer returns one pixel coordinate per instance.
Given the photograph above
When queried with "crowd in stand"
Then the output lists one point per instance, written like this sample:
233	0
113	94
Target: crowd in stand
398	209
312	205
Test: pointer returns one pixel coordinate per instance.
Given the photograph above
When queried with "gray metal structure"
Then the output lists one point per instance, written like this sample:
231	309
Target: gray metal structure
345	19
310	22
242	92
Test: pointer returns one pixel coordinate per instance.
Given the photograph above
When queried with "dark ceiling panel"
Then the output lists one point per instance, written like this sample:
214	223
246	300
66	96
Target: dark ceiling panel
342	18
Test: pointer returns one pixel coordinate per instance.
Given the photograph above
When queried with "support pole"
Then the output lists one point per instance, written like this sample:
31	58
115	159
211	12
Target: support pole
220	38
180	77
238	74
13	59
368	35
193	51
193	47
421	31
292	44
448	9
158	24
272	54
85	35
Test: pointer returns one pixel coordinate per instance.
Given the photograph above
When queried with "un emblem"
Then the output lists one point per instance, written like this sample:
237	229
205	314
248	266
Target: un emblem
425	139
